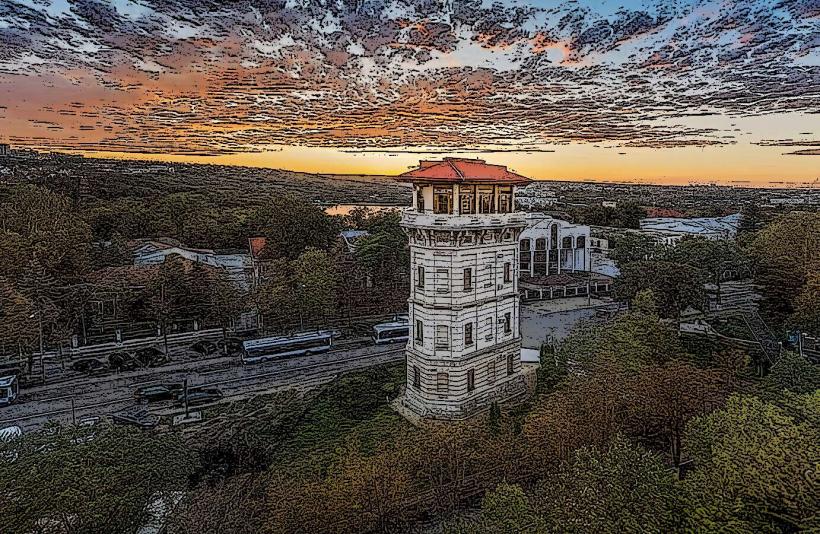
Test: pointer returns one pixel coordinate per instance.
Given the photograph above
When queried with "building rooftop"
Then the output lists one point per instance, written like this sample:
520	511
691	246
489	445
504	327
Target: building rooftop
461	170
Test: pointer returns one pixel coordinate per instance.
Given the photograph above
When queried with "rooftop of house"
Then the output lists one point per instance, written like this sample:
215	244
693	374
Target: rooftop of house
462	170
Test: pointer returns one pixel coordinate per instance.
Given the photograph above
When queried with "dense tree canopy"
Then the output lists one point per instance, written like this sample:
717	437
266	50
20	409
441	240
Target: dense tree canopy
89	480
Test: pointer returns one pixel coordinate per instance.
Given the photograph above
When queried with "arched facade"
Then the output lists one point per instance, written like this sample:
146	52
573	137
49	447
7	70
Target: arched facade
552	246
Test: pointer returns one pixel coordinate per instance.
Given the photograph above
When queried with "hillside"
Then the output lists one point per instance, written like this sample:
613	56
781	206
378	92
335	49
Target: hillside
87	179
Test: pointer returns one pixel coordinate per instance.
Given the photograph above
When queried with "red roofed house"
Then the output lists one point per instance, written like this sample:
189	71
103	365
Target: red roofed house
464	351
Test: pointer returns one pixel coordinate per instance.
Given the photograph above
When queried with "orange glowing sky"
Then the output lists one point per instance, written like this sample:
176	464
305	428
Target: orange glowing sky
650	91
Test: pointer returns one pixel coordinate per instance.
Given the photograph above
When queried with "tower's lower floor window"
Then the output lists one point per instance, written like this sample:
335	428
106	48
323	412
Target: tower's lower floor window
470	379
416	377
442	382
510	364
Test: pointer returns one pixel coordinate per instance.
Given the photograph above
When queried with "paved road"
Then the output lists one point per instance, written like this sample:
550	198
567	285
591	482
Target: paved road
101	396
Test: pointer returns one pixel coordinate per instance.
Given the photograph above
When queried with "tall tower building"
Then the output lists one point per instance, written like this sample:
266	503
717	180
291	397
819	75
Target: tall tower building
464	350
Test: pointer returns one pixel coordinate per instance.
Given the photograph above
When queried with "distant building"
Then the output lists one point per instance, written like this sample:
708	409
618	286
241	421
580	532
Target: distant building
670	230
349	237
552	246
237	266
5	150
465	346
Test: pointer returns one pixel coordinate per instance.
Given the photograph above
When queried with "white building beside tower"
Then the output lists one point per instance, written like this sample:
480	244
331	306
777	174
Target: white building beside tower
464	350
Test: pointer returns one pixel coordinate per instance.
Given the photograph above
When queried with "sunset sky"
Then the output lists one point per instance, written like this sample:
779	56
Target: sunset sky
663	91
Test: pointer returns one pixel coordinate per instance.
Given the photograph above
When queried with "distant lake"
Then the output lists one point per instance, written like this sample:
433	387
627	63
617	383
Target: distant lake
345	209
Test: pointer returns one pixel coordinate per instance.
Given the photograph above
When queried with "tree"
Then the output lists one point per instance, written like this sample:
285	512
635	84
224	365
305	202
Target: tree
505	510
291	225
587	411
47	226
756	468
787	253
619	487
664	398
792	373
630	247
275	297
632	340
90	480
225	301
806	315
316	279
720	258
169	294
17	324
676	287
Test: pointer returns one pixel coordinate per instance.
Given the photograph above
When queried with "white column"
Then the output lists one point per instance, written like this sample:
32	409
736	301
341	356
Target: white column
456	200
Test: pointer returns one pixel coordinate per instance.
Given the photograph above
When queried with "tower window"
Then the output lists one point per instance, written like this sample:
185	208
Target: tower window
443	200
507	272
442	382
442	336
442	281
486	199
420	276
468	334
505	199
510	364
419	332
470	379
466	195
468	279
507	323
416	377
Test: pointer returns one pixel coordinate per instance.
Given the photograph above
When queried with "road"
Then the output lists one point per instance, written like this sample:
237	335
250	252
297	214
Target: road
103	395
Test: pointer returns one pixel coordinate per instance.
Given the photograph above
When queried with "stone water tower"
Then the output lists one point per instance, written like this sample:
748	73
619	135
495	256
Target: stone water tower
464	350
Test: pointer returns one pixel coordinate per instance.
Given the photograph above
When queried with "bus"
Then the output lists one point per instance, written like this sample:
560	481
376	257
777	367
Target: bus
395	332
9	388
269	348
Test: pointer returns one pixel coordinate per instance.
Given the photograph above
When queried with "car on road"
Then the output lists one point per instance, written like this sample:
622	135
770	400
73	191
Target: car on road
123	361
231	345
9	389
151	357
158	392
138	416
197	396
91	366
204	348
9	433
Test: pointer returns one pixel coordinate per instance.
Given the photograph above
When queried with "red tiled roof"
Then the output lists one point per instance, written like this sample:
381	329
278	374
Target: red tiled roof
459	170
256	245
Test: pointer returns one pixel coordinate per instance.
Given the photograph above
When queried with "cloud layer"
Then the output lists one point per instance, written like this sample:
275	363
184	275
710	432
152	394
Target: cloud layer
212	77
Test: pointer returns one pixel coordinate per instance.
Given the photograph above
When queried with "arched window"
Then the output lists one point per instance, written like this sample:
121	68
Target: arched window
540	244
554	236
581	242
525	245
566	242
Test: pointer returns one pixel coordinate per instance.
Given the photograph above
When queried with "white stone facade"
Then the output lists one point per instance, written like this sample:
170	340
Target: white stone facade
464	350
553	246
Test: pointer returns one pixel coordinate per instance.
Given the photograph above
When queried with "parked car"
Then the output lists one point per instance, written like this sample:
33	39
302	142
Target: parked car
197	396
9	433
122	361
138	416
231	345
158	392
89	366
205	348
151	357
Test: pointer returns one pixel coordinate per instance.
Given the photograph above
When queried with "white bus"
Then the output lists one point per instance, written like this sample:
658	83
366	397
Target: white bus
9	388
269	348
395	332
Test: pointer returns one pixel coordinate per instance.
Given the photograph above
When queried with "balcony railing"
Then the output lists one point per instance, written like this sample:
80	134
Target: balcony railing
412	217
